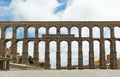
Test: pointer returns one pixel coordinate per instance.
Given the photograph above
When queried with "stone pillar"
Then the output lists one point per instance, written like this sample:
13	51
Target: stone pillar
91	55
2	41
14	33
113	59
80	56
102	50
68	31
25	48
14	51
47	30
36	54
25	53
47	56
58	31
58	63
14	46
36	32
91	52
69	56
3	48
3	33
25	32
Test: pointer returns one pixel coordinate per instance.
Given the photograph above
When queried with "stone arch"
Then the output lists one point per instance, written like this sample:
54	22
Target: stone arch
52	30
20	32
41	50
96	50
8	44
63	30
8	51
41	31
96	32
85	32
20	47
74	50
107	48
8	32
19	51
63	51
106	32
53	50
31	32
75	31
108	37
117	32
7	26
85	50
117	48
30	50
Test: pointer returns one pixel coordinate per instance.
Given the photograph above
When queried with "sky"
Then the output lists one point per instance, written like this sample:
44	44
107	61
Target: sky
61	10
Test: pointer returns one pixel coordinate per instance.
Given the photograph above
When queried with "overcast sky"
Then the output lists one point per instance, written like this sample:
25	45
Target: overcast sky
61	10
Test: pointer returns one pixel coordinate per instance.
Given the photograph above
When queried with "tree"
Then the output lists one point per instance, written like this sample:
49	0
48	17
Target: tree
30	59
20	60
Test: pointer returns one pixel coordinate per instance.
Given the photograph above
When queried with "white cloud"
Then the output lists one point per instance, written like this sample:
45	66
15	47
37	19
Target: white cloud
92	10
30	10
78	10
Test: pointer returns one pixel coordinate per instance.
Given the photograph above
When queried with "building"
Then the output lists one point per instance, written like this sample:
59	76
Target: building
97	63
8	54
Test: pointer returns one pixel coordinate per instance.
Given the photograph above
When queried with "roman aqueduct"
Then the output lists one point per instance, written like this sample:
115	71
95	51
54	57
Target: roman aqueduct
58	37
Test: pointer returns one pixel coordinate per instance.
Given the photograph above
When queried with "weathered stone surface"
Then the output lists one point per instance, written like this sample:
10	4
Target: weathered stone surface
58	38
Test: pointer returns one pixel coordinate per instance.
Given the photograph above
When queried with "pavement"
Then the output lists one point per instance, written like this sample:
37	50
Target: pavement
60	73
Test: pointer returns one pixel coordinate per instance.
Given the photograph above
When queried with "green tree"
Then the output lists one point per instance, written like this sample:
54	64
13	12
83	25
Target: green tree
8	56
20	60
30	59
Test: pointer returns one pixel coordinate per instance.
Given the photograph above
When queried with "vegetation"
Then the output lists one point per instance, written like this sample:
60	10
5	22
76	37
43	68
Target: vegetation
8	56
20	60
30	60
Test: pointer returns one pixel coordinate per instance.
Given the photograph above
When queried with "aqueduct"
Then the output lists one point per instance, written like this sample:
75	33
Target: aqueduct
58	37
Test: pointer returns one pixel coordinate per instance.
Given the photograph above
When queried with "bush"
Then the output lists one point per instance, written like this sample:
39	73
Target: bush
30	59
20	60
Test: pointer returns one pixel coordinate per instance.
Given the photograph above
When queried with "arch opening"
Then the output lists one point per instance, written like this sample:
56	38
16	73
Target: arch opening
8	32
96	53
107	49
53	49
117	32
117	44
85	50
20	32
41	50
75	31
96	32
63	51
63	30
30	52
106	32
85	32
74	49
52	30
41	31
31	32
